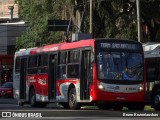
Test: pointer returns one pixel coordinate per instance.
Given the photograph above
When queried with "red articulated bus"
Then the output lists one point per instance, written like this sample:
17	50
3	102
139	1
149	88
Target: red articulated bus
108	73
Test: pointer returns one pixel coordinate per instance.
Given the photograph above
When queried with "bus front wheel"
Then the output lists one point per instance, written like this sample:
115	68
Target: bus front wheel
73	104
156	102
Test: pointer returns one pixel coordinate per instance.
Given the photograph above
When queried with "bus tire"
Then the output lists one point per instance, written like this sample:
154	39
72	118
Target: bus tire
72	100
156	101
32	98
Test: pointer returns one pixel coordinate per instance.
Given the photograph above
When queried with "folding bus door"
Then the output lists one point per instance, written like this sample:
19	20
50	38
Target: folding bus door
52	76
85	74
23	68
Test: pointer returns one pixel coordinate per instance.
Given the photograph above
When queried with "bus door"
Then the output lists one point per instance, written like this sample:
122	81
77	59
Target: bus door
52	76
23	68
85	76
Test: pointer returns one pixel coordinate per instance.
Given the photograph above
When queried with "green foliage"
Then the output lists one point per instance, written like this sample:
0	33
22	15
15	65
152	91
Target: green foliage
36	14
111	18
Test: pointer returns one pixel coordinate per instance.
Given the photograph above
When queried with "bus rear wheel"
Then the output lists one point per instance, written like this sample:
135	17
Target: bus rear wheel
156	102
72	99
32	98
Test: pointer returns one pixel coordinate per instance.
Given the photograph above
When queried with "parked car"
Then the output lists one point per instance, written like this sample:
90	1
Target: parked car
6	89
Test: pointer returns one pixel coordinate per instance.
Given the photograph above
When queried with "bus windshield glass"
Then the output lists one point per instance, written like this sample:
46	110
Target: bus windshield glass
120	65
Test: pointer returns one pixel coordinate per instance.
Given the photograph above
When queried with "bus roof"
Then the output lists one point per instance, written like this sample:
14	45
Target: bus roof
23	52
63	46
68	45
151	50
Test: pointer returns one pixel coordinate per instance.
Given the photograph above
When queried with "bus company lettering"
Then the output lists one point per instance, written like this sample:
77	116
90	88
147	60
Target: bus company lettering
42	81
53	49
31	79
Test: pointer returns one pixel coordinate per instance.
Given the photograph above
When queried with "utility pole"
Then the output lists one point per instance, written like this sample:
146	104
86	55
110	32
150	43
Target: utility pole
138	20
91	14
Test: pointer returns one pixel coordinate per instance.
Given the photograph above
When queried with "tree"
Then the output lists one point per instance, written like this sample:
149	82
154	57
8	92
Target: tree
36	14
118	18
111	19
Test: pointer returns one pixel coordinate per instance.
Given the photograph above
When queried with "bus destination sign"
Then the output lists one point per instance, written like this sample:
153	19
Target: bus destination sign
119	46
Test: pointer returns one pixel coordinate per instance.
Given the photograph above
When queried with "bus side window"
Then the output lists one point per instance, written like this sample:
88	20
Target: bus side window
63	57
76	56
42	63
62	65
39	60
73	64
45	60
17	65
32	64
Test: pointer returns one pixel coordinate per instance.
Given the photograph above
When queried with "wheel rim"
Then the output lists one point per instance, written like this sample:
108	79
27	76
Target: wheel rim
72	98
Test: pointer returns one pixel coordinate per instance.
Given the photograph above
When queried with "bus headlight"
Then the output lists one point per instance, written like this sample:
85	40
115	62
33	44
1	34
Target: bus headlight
101	87
140	88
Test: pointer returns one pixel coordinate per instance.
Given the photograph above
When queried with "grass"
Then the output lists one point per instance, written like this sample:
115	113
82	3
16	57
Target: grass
148	108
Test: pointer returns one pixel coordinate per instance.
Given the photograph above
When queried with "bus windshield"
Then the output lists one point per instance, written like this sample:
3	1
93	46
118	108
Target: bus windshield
120	65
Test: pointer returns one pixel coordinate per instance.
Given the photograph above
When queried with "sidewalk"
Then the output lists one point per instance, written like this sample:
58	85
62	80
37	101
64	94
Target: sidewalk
8	101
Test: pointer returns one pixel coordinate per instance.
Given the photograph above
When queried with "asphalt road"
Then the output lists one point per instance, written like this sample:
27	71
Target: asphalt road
10	110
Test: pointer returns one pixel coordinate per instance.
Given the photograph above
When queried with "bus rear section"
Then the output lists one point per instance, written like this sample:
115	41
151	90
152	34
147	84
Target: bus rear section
19	75
119	74
152	63
34	77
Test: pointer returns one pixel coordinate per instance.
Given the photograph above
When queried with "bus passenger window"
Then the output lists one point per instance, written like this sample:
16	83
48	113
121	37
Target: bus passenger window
76	56
17	65
39	60
62	72
32	61
72	71
63	57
